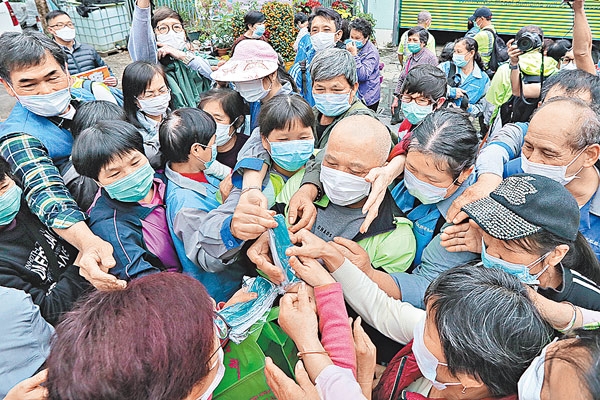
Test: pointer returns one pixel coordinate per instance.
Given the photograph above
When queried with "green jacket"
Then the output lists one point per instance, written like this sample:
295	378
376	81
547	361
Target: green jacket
390	241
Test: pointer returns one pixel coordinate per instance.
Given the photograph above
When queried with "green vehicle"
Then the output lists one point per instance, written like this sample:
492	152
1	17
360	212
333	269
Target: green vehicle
553	16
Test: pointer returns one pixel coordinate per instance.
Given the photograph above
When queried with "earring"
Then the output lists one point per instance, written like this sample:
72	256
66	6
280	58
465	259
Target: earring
464	391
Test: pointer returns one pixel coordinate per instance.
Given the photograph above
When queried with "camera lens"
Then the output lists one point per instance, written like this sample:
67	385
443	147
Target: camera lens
525	44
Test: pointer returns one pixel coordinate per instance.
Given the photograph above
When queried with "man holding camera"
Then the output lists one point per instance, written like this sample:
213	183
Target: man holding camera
516	87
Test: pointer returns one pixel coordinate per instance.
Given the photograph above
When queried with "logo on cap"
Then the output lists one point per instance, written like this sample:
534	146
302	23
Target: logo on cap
516	188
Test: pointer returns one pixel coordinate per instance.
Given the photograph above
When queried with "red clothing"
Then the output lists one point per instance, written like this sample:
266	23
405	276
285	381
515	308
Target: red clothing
196	176
404	132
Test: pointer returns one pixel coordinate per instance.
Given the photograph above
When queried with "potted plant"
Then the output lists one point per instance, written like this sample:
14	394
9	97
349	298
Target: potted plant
222	38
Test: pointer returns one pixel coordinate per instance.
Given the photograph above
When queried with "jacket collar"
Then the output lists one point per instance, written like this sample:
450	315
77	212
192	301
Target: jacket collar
187	183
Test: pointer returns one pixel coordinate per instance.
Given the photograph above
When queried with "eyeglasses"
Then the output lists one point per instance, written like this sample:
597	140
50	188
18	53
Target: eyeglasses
223	329
61	25
149	94
566	60
166	28
422	101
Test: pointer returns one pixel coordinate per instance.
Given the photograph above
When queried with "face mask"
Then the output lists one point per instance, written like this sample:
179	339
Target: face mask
414	47
332	104
425	360
293	154
252	91
218	377
519	270
10	203
47	105
259	31
213	155
530	383
156	105
569	67
343	188
459	60
557	173
133	187
173	39
415	113
222	133
358	43
67	34
425	192
322	40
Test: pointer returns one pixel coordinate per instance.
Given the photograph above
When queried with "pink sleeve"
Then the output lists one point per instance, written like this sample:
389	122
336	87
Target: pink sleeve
338	383
336	333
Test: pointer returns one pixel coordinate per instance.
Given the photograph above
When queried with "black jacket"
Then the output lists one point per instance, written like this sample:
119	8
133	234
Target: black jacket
82	58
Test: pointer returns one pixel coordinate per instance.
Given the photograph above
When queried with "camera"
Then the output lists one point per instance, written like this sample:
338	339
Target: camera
529	41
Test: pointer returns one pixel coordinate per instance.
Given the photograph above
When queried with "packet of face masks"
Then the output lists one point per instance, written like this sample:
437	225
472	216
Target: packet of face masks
242	316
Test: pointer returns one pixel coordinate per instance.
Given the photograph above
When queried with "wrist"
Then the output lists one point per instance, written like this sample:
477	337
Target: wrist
513	65
332	258
311	190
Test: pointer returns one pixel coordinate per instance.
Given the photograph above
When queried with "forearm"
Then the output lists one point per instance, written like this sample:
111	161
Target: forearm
254	178
582	41
386	283
515	81
314	357
78	235
142	42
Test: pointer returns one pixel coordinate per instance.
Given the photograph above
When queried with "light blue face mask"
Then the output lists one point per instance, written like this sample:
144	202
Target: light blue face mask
10	203
519	270
415	113
213	155
358	43
459	60
425	192
293	154
332	104
133	187
259	31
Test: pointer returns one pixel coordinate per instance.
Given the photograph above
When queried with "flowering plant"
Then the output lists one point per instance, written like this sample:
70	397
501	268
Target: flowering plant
306	6
280	29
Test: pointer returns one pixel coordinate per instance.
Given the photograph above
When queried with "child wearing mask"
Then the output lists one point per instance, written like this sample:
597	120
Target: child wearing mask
130	212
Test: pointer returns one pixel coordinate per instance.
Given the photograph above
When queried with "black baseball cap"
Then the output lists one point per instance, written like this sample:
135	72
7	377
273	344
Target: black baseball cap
524	204
481	12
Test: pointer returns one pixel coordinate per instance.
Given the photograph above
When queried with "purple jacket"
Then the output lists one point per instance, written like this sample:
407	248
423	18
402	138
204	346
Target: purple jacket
367	69
425	56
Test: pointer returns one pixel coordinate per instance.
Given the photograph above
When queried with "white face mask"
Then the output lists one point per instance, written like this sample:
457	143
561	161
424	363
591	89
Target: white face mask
569	67
426	361
218	377
322	40
67	34
530	384
253	90
156	105
223	133
173	39
557	173
47	105
343	188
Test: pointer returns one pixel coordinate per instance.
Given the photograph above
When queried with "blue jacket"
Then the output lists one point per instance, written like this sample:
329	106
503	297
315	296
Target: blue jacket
188	203
589	221
427	219
475	84
58	141
120	224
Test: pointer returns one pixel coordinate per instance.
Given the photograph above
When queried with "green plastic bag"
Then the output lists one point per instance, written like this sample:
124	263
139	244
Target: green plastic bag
245	362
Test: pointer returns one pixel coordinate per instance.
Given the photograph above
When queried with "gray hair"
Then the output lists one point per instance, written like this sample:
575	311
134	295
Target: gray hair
586	130
488	327
423	16
331	63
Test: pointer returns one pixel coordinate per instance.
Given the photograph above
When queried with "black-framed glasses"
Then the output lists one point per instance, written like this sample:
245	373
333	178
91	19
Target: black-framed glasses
422	101
61	25
162	29
223	329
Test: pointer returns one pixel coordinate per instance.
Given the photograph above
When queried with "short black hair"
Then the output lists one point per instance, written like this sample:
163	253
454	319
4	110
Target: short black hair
326	13
232	103
426	79
98	145
283	112
136	79
253	17
92	112
419	30
363	26
181	129
53	14
27	49
532	29
300	17
558	49
4	170
573	82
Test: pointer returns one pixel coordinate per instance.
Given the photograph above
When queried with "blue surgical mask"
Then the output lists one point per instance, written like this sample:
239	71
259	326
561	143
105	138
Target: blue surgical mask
259	31
358	43
415	113
519	270
414	47
426	361
459	60
213	155
425	192
293	154
133	187
332	104
10	203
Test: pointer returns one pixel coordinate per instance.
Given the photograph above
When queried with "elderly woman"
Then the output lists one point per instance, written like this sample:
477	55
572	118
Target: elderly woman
367	62
420	54
172	349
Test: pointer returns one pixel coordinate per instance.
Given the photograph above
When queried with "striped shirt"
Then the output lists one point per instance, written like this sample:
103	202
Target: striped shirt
576	289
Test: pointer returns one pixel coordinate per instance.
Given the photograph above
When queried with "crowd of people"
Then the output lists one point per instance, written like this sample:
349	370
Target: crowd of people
133	210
